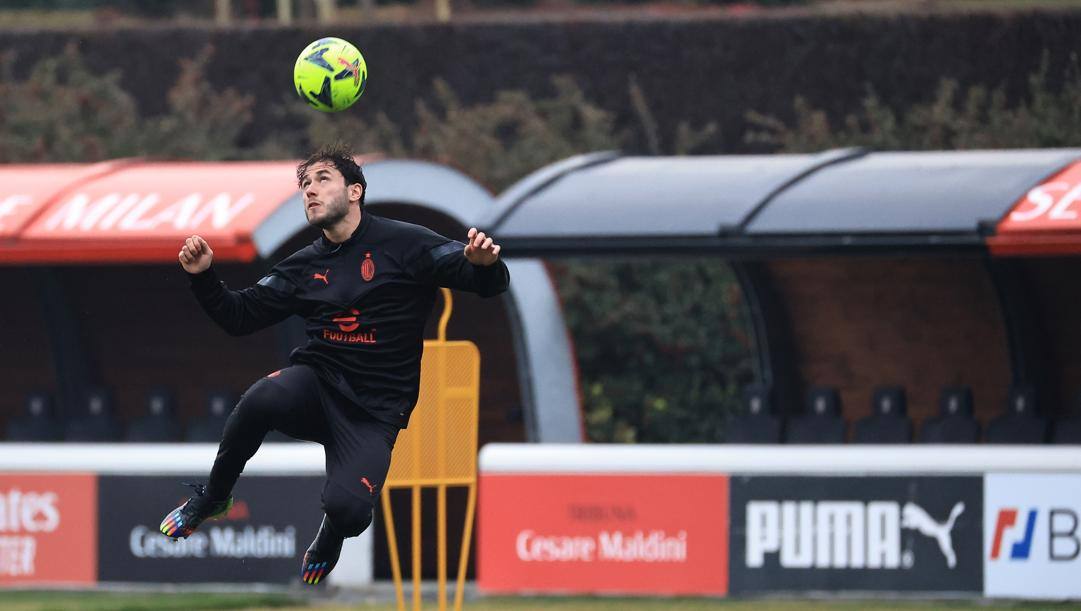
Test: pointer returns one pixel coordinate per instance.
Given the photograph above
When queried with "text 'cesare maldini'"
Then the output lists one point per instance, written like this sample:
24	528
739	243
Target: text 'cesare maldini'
605	546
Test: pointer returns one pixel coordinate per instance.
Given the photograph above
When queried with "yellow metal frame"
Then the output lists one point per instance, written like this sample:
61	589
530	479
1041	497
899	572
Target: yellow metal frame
448	407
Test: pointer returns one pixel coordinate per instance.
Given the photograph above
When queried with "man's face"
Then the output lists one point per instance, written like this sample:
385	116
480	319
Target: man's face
326	199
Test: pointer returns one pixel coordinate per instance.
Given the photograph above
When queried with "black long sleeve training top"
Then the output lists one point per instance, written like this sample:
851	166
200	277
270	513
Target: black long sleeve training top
365	303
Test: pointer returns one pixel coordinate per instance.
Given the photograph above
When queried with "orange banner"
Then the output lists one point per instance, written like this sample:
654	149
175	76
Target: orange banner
1047	220
170	200
26	189
48	529
137	211
632	533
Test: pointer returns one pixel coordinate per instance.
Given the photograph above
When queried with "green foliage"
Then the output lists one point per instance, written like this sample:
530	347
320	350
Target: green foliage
203	123
663	346
497	143
1049	116
687	139
380	134
64	112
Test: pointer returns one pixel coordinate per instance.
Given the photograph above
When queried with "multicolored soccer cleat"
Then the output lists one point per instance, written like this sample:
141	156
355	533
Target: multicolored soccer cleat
322	555
183	520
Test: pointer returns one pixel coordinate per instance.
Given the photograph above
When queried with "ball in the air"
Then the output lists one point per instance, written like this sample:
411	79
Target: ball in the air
330	74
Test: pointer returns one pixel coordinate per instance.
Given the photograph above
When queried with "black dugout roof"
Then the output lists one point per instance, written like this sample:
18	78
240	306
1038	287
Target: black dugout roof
770	203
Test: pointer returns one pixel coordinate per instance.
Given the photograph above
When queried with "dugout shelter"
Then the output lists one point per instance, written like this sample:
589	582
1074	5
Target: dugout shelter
947	276
99	328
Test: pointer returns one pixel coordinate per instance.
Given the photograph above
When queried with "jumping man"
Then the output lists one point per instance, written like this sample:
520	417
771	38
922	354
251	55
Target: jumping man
365	288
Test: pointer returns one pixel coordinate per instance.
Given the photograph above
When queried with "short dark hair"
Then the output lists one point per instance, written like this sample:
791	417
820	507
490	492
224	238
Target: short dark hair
342	157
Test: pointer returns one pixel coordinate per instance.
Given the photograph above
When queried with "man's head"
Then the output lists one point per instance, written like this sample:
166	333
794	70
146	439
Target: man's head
330	181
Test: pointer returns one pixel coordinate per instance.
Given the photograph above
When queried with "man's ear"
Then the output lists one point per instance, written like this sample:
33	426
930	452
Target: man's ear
355	192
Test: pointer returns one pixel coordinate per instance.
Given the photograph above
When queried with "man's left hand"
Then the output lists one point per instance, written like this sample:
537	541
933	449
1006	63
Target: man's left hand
480	249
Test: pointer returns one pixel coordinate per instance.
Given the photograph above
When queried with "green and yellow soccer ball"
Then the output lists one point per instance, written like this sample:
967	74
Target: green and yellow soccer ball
330	74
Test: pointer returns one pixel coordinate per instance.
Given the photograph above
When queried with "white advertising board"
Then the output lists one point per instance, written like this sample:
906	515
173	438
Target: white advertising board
1032	535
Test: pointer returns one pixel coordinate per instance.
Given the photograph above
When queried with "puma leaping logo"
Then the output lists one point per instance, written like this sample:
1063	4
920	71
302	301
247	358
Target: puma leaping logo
916	518
369	485
323	277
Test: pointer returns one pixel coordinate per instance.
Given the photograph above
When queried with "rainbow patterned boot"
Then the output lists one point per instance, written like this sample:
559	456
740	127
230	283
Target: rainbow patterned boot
183	520
322	554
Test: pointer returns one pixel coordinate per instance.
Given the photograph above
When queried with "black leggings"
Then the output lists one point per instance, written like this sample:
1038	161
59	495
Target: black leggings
295	402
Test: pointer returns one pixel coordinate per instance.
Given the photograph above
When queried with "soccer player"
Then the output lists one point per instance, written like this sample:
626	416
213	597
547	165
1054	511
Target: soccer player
365	288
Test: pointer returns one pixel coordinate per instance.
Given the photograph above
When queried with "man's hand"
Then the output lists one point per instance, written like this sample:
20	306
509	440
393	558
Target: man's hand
195	255
479	248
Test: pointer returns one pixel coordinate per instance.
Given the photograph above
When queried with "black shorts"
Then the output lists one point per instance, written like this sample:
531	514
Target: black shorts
296	402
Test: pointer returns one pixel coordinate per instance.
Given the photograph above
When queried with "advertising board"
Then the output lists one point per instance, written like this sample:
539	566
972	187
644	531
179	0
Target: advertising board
262	539
1032	539
629	533
48	528
921	534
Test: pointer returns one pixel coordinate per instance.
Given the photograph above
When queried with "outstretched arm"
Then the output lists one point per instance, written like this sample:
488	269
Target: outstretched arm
474	266
237	312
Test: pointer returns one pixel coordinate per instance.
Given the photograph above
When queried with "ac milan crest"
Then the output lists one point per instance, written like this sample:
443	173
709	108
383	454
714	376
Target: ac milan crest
367	268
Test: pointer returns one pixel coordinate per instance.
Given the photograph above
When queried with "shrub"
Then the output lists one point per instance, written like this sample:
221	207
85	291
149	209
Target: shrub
496	142
64	112
663	346
955	118
202	123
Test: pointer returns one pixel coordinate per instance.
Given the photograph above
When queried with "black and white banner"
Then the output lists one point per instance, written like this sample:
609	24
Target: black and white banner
920	534
272	521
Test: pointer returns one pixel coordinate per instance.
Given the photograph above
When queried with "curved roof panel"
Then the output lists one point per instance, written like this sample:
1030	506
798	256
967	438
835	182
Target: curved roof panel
650	196
909	192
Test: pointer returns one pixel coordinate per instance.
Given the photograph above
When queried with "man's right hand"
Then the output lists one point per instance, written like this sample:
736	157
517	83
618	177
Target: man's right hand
195	255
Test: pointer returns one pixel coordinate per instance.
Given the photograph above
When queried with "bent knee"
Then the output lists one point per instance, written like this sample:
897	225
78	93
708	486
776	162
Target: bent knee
260	401
348	513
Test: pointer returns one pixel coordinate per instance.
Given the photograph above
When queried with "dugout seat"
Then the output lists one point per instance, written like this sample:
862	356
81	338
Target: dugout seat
92	420
954	423
821	422
1067	429
755	423
888	422
1019	423
219	404
159	425
38	421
